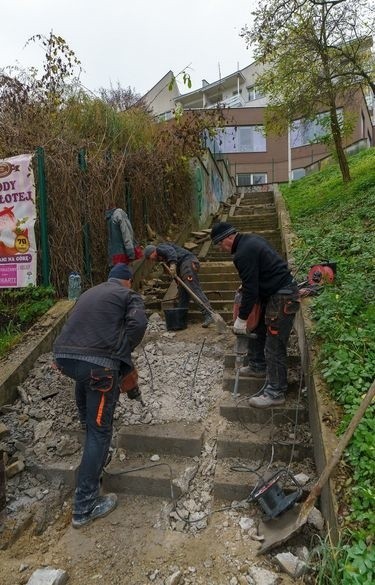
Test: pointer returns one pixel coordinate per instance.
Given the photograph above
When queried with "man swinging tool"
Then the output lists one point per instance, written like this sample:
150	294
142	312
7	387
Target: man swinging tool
184	264
265	277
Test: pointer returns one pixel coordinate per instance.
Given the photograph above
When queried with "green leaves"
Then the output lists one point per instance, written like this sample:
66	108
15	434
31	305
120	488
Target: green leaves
339	223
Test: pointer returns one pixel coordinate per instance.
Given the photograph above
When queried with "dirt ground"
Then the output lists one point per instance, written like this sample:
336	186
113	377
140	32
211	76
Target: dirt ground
132	545
136	544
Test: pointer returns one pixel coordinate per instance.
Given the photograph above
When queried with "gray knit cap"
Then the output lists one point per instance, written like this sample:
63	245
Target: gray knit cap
221	230
148	250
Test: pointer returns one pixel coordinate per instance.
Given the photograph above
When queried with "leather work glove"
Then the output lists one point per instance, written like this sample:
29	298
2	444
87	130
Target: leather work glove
173	269
239	327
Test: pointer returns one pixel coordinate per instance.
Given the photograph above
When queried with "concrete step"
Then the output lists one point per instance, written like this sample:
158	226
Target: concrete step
138	475
259	442
258	198
232	484
230	359
238	410
212	286
247	385
217	267
177	438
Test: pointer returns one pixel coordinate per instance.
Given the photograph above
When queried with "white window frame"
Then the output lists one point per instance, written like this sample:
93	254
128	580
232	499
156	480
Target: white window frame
234	139
252	179
253	93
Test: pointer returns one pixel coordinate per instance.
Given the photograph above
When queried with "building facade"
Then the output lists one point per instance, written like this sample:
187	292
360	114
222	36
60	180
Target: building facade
253	157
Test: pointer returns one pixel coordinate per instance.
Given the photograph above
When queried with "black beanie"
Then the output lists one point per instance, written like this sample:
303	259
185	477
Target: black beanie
221	230
121	271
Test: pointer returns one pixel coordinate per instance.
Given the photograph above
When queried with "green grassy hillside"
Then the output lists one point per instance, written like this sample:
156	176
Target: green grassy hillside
337	222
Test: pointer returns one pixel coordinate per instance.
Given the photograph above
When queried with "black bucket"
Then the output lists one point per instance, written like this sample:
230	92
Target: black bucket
176	319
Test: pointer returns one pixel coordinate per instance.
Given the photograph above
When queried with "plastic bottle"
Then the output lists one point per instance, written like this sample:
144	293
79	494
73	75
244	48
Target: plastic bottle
74	286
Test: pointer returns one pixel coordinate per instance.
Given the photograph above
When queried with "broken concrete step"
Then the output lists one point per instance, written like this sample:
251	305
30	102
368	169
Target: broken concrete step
218	286
229	360
249	385
141	476
238	410
178	438
232	484
256	442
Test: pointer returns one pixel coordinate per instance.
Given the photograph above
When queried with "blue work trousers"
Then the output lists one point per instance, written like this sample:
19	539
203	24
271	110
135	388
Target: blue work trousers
269	350
97	392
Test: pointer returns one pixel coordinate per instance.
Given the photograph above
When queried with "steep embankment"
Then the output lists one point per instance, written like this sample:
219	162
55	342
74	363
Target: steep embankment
337	222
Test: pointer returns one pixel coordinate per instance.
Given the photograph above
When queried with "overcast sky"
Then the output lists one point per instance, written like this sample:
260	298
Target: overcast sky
135	42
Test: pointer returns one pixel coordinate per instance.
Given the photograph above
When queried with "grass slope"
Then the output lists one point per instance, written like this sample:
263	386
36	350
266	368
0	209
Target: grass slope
336	222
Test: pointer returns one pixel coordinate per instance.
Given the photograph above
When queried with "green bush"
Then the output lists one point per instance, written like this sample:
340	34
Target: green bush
19	309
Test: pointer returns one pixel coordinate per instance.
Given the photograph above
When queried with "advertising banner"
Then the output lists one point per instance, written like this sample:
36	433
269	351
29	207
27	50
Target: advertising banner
17	219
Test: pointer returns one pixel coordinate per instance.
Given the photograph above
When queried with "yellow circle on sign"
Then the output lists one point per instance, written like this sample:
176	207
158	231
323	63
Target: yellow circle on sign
22	244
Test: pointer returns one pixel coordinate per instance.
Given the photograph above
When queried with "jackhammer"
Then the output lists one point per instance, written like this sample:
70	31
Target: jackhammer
241	345
129	385
240	350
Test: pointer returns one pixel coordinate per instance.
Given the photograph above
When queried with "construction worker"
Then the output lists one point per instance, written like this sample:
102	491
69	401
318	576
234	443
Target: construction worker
122	247
265	277
94	348
184	264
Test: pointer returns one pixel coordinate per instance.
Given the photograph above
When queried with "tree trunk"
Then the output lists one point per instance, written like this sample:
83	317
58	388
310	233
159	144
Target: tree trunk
337	138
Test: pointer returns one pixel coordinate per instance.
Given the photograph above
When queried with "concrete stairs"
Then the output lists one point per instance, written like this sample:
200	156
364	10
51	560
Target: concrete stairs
248	439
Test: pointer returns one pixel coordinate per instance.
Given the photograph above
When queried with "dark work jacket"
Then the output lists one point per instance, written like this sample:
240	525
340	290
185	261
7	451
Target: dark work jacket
171	253
262	271
108	320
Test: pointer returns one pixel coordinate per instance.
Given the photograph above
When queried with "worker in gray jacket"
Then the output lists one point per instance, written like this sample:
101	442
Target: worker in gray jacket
94	349
121	243
183	263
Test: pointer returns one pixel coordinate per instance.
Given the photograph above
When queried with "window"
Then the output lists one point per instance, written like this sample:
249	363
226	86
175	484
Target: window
246	179
254	93
305	132
298	174
241	139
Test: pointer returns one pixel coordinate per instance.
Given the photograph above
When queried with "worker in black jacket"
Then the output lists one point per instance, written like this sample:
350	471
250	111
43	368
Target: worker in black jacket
94	348
265	277
186	265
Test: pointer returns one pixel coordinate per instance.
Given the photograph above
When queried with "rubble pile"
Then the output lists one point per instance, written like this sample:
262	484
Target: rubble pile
178	380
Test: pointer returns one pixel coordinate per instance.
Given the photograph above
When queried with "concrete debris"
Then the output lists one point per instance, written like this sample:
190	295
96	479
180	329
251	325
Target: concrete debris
302	478
175	579
291	564
316	519
14	467
263	576
246	523
48	576
155	458
3	430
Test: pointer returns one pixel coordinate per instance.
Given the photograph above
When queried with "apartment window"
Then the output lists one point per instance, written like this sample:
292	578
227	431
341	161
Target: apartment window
254	93
246	179
298	174
232	139
306	132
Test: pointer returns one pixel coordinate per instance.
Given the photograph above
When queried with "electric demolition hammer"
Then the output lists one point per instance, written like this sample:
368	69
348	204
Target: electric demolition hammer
129	385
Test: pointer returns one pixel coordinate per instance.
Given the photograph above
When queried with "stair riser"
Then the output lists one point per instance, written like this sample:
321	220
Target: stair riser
256	451
246	414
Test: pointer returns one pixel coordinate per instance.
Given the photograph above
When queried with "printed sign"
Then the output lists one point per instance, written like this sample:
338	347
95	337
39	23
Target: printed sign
17	219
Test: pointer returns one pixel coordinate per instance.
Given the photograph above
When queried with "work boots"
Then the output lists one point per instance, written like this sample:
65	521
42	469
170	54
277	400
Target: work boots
251	373
104	505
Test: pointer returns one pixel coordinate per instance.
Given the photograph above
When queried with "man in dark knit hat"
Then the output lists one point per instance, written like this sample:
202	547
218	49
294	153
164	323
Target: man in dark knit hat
183	263
94	349
266	278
